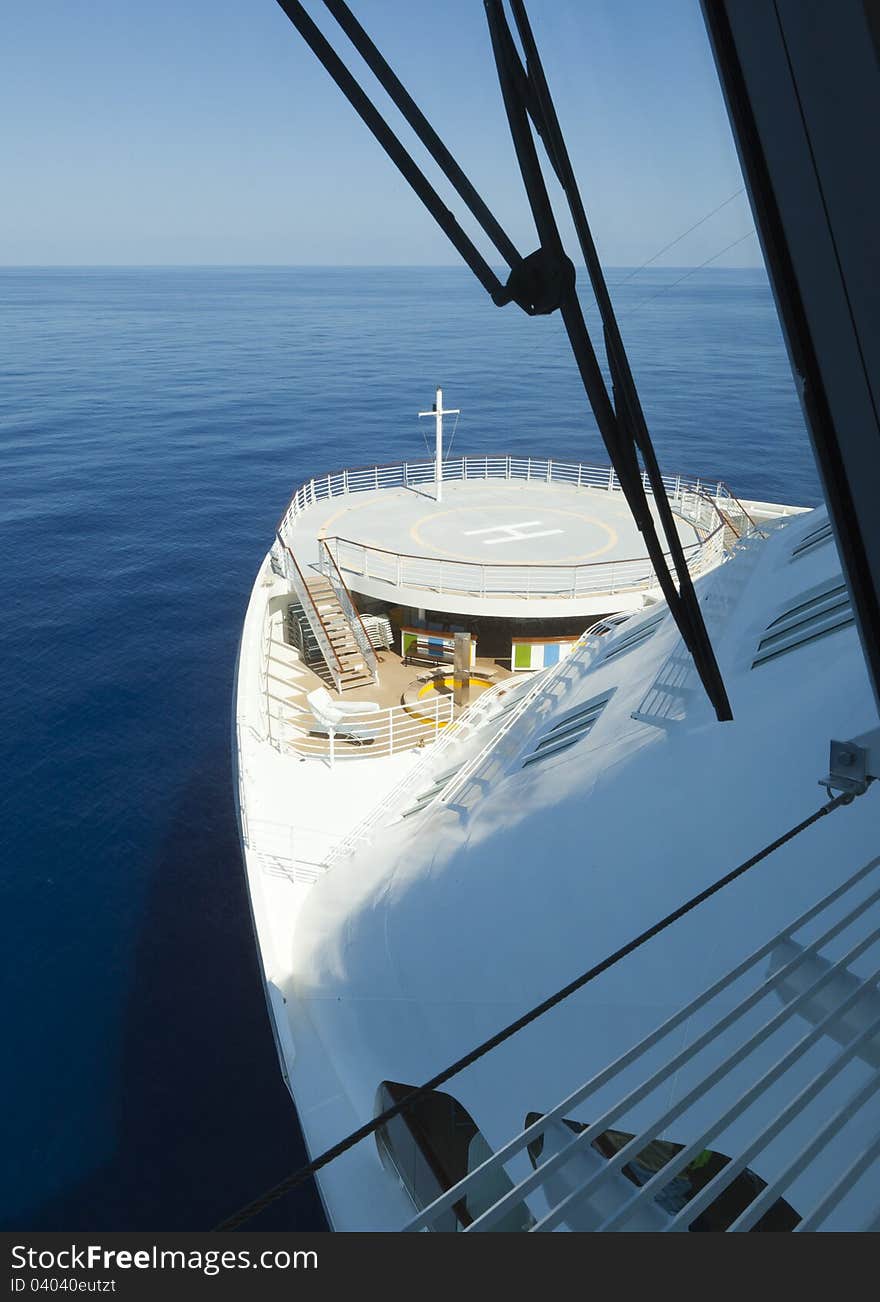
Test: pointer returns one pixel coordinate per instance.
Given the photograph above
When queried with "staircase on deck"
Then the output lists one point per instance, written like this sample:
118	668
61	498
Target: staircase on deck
351	670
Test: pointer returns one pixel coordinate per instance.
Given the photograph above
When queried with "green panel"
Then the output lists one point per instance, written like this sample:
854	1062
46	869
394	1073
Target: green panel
522	655
409	639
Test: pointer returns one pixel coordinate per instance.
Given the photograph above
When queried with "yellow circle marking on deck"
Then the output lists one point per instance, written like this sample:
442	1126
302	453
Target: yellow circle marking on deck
552	512
619	508
343	510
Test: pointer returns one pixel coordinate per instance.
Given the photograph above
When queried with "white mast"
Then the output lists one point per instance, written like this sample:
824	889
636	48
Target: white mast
439	413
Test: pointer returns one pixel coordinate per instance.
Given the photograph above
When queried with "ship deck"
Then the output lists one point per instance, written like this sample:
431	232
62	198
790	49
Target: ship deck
488	522
503	533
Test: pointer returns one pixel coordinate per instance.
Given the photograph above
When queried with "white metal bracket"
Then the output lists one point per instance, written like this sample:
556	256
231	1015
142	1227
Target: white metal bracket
853	765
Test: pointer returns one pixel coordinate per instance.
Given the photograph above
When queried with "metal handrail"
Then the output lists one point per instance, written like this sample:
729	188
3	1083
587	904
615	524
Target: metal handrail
340	483
370	734
644	1070
452	575
395	798
302	590
350	610
507	565
542	680
753	527
496	565
690	498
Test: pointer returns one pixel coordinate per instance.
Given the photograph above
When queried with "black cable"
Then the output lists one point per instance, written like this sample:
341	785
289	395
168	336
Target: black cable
392	84
630	419
299	1177
406	165
541	282
682	601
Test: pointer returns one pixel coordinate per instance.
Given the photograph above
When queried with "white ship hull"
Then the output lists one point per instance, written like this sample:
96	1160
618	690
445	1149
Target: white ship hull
391	944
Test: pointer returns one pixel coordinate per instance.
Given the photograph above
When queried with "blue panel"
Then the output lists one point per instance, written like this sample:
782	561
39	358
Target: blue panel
551	653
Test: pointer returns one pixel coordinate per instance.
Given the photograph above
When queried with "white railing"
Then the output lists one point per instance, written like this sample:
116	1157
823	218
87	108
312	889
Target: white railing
543	681
697	502
791	1019
525	582
474	719
411	474
369	734
399	795
313	615
330	570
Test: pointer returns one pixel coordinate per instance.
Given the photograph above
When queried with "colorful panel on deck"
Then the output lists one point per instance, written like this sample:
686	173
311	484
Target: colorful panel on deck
531	654
429	644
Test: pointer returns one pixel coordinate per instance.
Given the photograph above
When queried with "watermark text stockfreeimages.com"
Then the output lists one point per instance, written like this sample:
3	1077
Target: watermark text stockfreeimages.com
95	1257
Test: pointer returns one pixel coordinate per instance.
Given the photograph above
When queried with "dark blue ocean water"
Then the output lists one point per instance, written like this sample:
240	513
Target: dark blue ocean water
152	425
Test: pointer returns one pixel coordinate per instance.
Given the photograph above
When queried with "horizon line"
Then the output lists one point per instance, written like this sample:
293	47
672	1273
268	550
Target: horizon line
334	266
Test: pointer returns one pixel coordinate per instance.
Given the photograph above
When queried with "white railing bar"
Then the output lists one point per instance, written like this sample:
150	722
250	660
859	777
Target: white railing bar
650	1132
738	1163
397	794
352	614
464	774
796	1105
410	730
314	617
842	1186
696	1146
614	1068
827	1132
514	468
542	681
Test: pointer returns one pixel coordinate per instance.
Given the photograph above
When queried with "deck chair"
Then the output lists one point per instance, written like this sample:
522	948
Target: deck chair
332	715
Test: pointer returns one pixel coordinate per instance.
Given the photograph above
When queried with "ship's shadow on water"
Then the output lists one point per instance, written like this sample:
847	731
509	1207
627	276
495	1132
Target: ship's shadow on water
204	1122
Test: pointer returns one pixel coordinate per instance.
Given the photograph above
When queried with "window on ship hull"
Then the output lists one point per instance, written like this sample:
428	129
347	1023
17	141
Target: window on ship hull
433	1145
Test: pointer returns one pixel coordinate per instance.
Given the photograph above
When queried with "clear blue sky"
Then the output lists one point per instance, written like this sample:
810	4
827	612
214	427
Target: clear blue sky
204	131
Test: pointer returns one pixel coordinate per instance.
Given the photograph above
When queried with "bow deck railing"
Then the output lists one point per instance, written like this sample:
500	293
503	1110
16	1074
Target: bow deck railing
708	507
367	733
486	721
531	582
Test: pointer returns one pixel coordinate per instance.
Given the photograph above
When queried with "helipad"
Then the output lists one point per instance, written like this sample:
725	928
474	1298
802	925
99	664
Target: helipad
556	535
491	523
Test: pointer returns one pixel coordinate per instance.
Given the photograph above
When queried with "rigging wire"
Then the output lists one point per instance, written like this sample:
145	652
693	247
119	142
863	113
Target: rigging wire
544	347
447	451
299	1177
679	238
447	448
691	272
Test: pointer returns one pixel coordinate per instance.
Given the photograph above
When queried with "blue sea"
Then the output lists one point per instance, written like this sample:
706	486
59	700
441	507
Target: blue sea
153	423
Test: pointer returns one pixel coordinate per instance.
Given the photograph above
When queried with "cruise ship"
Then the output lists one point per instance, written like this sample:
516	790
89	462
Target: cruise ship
554	780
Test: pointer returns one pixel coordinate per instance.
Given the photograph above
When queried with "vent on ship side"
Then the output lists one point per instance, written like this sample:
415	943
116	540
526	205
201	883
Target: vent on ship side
569	730
429	794
810	541
825	612
629	639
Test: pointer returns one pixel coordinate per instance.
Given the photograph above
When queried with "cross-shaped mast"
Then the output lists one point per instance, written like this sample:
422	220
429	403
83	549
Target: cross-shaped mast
438	413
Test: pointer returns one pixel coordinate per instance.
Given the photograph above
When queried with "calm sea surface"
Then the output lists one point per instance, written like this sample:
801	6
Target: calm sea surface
153	424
